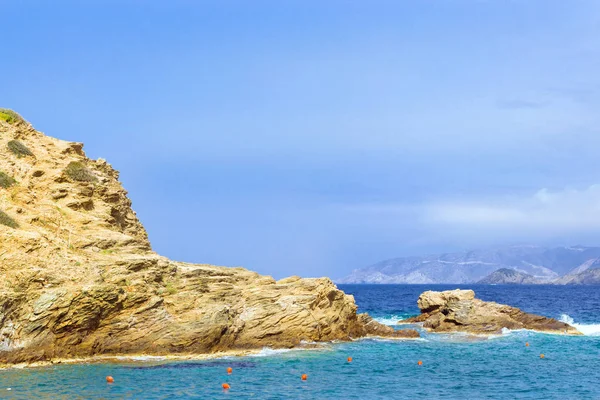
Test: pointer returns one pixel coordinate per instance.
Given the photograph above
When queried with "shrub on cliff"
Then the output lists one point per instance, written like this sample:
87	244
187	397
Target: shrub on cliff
8	221
79	172
6	181
9	116
19	149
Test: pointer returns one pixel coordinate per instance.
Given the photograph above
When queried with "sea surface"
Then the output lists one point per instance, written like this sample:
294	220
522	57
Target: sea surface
453	366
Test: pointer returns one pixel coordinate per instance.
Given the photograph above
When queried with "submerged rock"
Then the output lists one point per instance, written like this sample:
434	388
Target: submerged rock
459	311
79	277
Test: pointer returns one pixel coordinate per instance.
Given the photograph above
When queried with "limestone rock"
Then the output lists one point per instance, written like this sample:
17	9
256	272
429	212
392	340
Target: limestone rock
374	328
459	311
79	277
431	300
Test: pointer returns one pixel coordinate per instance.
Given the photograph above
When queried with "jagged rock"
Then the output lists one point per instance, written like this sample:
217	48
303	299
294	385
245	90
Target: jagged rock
79	277
429	301
374	328
459	311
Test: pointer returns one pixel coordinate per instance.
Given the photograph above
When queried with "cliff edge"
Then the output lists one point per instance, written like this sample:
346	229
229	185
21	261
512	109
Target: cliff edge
79	277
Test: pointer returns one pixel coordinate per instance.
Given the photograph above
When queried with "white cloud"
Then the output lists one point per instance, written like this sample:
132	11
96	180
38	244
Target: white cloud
545	213
566	217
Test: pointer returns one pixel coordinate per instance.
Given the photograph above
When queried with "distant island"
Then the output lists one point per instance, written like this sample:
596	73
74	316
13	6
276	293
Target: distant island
577	265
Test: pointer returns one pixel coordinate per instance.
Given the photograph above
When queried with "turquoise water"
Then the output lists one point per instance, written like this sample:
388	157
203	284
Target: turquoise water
454	366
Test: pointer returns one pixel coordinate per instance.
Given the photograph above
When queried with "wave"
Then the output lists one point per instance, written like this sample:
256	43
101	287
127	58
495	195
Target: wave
269	352
141	358
391	319
586	329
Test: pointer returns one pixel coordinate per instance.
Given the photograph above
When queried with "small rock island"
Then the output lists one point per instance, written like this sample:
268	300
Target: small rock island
459	311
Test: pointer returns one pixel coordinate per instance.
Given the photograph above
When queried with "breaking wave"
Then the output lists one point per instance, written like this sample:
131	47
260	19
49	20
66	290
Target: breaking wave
586	329
391	319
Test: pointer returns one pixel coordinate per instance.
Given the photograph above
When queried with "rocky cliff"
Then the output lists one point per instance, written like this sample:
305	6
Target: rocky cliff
459	311
79	277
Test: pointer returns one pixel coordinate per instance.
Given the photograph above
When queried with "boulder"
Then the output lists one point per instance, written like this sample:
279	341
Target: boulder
459	311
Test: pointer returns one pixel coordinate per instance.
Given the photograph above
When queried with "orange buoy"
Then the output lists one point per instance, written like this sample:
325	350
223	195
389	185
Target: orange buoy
349	359
420	362
229	370
542	356
110	379
526	344
226	386
304	377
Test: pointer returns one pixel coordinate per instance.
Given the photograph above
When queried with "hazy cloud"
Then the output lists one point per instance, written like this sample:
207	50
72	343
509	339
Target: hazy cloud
543	214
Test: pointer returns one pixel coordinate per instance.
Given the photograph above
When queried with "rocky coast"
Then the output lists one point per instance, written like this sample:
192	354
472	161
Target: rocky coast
459	311
80	279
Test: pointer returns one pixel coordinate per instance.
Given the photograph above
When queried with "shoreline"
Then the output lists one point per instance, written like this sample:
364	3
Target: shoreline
145	358
132	358
487	335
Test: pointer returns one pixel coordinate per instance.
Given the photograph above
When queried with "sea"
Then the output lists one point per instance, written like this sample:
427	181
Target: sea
454	366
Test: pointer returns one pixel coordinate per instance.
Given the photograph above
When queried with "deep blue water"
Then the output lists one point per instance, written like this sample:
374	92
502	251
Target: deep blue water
454	367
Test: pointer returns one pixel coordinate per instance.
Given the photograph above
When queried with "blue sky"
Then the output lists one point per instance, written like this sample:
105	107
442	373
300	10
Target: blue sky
311	137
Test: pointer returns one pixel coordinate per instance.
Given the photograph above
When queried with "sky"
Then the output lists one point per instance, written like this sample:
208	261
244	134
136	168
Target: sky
310	137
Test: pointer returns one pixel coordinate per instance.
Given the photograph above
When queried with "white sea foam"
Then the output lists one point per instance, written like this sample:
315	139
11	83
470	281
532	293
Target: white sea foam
269	352
391	319
141	358
586	329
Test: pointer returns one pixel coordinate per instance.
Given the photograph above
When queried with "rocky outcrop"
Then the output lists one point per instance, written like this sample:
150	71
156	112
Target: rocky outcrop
79	277
507	276
374	328
459	311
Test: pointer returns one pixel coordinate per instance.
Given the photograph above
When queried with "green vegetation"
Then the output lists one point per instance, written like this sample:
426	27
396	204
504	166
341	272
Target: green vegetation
79	172
8	221
19	149
6	181
171	289
9	116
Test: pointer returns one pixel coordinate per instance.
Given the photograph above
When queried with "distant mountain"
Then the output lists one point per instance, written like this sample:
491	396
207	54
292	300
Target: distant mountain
542	263
587	273
507	276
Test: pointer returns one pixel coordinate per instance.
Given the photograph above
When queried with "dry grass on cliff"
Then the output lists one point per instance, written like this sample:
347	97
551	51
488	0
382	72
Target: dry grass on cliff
19	149
10	116
6	181
8	221
79	172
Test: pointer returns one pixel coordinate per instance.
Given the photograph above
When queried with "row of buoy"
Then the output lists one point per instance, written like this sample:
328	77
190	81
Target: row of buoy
303	377
541	355
226	386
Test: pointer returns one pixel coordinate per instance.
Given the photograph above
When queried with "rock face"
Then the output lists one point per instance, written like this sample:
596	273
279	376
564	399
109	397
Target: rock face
79	277
459	311
507	276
